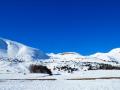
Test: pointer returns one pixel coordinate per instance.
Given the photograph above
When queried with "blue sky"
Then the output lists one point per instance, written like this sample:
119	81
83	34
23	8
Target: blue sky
84	26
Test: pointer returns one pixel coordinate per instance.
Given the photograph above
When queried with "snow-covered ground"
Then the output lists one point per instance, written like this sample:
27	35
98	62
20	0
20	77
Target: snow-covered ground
84	80
60	85
63	76
14	81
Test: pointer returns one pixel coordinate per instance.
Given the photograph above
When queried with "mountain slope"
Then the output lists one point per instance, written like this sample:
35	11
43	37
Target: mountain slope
12	49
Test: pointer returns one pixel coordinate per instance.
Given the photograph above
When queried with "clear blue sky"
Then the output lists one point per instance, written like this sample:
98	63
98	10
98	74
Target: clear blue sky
84	26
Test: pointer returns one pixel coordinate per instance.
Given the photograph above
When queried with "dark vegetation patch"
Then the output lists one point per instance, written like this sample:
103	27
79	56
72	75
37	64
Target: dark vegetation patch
39	69
66	68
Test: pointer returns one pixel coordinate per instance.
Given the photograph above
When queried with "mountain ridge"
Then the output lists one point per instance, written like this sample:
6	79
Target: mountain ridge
14	49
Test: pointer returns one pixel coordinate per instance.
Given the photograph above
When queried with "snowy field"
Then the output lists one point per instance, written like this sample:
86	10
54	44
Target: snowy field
60	85
84	80
63	76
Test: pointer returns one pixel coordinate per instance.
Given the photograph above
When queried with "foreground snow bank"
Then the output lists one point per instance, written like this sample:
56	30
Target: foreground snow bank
61	85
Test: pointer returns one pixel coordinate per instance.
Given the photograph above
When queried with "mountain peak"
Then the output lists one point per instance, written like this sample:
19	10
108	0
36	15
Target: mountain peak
116	50
14	49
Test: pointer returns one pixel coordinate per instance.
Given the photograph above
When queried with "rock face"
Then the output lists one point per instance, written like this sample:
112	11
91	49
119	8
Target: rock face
12	49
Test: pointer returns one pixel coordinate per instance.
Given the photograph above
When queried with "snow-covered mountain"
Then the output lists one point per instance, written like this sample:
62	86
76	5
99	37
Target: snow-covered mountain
12	49
11	54
112	56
